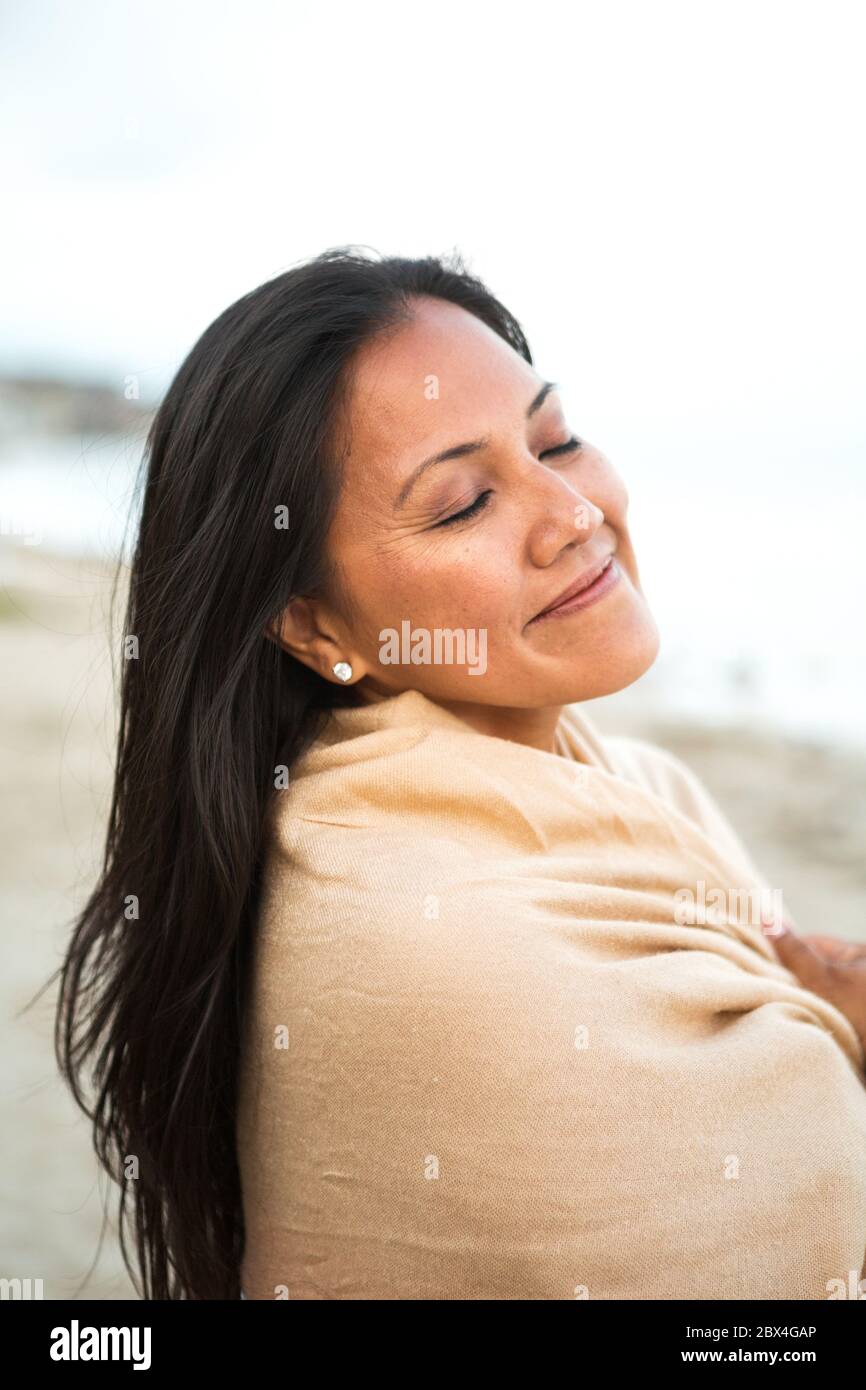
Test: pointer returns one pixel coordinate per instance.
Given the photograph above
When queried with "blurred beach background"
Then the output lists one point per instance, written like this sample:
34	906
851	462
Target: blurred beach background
668	199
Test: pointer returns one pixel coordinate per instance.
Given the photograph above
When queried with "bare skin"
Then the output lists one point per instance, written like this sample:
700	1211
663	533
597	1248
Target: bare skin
438	381
830	967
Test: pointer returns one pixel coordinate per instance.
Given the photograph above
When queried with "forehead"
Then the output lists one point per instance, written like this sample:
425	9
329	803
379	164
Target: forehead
439	379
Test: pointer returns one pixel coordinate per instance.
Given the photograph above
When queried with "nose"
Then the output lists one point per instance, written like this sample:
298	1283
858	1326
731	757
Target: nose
562	517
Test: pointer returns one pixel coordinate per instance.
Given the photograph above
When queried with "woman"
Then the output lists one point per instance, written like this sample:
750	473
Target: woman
393	985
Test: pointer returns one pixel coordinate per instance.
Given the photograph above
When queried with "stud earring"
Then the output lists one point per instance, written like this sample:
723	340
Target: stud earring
343	671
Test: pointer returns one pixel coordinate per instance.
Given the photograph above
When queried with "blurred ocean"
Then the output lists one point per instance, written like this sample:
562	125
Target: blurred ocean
754	568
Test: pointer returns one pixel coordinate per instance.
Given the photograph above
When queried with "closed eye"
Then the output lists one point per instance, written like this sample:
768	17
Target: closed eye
477	506
569	447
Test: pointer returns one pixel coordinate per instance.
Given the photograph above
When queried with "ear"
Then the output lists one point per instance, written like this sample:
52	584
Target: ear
305	630
296	629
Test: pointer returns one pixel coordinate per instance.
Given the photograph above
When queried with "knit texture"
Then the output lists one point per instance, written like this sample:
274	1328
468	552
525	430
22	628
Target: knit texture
484	1057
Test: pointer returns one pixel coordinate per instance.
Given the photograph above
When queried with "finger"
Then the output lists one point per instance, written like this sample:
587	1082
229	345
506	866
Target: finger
836	948
827	945
802	959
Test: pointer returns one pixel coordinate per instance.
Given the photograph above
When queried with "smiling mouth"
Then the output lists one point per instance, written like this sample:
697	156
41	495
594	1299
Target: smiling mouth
602	581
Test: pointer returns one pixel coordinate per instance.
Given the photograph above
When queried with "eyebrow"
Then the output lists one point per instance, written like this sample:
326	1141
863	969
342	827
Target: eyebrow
473	446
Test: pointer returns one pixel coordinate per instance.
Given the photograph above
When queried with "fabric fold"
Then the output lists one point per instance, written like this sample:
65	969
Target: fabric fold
515	1031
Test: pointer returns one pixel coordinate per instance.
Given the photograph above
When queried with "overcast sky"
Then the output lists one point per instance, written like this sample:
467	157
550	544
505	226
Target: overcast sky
669	196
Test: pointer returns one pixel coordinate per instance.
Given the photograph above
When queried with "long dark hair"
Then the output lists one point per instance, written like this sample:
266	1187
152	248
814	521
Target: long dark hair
154	980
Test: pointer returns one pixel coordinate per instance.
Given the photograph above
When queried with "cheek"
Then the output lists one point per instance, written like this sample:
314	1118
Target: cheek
618	503
608	491
442	584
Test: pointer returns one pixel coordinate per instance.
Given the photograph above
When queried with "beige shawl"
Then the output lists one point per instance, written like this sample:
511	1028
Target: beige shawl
492	1052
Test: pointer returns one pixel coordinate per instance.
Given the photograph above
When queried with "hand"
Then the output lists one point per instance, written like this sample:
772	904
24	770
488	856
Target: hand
829	966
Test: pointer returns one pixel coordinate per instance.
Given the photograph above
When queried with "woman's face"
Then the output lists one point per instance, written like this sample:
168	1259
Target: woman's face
413	565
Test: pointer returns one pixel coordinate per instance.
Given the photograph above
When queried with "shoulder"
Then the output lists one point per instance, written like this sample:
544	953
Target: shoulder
663	773
647	765
656	768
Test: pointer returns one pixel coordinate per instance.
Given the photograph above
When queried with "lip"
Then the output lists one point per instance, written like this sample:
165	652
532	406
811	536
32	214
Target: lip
594	583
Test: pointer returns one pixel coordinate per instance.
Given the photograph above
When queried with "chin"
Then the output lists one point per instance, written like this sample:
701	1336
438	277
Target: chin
628	657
